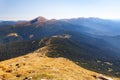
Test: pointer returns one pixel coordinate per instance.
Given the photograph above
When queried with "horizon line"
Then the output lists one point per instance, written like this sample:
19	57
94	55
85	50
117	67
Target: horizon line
57	18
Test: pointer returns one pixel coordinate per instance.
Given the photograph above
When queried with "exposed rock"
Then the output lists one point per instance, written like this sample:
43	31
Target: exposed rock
101	77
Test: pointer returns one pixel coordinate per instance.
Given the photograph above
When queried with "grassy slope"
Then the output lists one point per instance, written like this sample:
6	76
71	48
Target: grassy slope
38	68
81	54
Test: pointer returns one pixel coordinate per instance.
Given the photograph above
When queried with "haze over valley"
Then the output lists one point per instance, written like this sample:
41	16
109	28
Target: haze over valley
59	40
90	43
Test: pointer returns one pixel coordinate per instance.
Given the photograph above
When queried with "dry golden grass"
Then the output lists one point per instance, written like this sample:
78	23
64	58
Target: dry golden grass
34	67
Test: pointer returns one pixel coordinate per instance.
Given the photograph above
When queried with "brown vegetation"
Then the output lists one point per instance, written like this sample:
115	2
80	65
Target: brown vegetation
34	67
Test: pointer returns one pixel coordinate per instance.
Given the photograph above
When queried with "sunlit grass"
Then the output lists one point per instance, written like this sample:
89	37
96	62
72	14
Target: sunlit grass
33	67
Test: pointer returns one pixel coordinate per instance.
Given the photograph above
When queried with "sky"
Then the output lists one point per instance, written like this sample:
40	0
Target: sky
58	9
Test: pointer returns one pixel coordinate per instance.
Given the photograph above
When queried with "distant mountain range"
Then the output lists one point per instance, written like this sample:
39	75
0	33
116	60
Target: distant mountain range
87	41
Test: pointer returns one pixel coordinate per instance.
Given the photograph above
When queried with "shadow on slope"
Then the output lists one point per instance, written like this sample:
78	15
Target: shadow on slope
16	49
85	55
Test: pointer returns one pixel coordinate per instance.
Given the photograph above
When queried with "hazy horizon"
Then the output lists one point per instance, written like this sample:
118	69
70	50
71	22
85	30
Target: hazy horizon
53	18
60	9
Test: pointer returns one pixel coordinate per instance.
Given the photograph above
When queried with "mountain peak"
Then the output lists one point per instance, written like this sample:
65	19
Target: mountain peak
41	18
38	20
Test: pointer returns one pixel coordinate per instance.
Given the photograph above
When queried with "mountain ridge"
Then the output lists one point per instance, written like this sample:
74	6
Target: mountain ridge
74	39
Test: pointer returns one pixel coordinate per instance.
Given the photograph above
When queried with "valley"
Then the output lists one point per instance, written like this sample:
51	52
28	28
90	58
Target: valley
65	49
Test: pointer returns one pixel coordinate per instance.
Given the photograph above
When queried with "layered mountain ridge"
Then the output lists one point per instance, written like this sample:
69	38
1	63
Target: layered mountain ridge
88	42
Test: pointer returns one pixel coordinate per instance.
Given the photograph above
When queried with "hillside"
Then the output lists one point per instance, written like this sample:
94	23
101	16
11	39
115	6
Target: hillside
34	67
16	49
81	54
66	47
67	40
